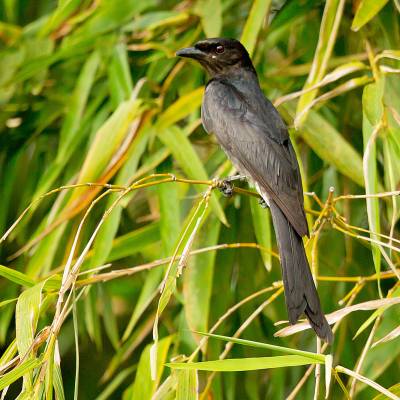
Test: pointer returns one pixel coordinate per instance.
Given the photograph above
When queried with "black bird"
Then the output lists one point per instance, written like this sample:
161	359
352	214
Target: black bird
255	138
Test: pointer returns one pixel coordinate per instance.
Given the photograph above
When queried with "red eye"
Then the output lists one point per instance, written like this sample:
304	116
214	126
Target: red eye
219	49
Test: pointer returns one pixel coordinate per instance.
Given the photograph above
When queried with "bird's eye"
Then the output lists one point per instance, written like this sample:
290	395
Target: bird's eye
219	49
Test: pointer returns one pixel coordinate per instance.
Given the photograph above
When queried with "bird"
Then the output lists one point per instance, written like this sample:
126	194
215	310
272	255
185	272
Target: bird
254	137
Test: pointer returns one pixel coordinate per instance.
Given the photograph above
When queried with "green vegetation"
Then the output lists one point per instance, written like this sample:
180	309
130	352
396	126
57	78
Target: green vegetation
128	264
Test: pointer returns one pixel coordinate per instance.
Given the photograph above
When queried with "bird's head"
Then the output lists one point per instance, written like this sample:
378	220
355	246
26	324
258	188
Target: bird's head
218	55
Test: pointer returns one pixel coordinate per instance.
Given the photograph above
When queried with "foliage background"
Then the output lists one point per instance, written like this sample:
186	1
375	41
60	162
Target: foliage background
91	92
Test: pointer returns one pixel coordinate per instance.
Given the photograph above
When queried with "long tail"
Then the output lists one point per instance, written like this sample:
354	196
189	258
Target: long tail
300	292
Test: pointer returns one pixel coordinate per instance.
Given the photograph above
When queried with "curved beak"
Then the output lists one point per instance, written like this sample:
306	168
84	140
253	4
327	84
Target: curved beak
190	52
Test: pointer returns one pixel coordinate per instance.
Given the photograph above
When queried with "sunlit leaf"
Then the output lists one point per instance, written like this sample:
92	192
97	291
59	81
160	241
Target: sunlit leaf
246	364
366	10
258	12
187	385
327	37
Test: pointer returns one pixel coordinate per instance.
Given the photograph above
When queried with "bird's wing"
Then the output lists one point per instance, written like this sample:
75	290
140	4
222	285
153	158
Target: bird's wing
256	140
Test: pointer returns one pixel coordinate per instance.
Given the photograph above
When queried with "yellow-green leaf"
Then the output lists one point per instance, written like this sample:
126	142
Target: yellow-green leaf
258	12
367	9
246	364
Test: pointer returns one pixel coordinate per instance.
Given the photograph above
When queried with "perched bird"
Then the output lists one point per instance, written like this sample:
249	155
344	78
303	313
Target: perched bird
253	135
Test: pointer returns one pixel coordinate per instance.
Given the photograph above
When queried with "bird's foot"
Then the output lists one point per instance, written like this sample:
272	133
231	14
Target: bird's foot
226	188
263	203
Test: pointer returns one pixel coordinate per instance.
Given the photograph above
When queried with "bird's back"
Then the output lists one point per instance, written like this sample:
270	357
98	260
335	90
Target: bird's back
252	133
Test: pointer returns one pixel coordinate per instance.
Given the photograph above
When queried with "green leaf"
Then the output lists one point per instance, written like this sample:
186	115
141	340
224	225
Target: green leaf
16	276
147	295
109	15
144	387
395	389
327	36
174	269
26	319
119	75
170	210
115	383
184	153
246	364
366	10
372	116
103	246
134	241
110	319
262	229
331	146
186	385
374	315
60	14
258	12
108	139
19	371
251	343
92	317
210	12
9	353
77	104
198	278
183	107
58	383
8	301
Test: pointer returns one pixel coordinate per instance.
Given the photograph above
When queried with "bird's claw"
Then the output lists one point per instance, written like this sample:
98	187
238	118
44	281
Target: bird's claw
262	203
226	188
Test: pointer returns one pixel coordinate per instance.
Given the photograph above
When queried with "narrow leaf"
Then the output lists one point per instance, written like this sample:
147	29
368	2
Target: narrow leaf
246	364
258	12
16	276
187	384
367	9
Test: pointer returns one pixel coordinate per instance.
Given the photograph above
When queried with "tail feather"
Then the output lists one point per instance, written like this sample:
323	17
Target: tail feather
300	292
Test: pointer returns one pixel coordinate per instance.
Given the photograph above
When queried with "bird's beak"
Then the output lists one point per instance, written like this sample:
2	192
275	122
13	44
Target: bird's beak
190	52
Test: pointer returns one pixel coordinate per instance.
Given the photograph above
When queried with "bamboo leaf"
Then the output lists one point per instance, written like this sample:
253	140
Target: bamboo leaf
331	146
26	319
210	12
175	269
115	383
390	336
366	10
340	314
186	156
246	364
184	106
258	12
16	276
144	386
187	385
71	134
395	389
108	139
372	116
327	36
19	371
251	343
134	241
119	75
262	229
199	277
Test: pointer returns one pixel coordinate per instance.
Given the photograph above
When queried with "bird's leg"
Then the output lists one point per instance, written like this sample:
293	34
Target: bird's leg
226	186
263	203
235	178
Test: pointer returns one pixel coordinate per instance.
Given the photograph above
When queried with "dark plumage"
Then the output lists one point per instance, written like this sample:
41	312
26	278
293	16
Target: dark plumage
253	135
